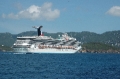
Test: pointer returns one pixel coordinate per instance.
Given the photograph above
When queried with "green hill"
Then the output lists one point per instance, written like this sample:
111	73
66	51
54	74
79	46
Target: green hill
99	47
7	39
5	48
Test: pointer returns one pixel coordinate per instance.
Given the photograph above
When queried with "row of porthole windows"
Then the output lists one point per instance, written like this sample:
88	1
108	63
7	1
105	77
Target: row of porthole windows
20	49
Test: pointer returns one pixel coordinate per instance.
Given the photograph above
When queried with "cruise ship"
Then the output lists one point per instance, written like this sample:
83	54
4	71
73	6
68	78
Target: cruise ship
46	44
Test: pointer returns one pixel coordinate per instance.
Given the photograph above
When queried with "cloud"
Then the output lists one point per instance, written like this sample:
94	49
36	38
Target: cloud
34	12
115	11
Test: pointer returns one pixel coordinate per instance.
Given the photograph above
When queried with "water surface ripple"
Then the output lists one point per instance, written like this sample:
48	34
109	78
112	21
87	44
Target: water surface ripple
59	66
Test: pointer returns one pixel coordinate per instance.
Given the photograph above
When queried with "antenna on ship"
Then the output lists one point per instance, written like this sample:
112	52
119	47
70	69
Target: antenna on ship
38	30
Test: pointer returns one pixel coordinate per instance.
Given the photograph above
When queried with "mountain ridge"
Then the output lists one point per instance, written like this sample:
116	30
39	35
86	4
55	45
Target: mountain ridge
110	37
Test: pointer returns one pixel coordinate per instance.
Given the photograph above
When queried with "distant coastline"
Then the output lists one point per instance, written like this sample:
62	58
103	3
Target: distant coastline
107	42
95	47
101	51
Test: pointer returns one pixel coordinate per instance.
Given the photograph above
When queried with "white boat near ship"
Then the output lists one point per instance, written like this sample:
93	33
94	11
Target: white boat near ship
46	44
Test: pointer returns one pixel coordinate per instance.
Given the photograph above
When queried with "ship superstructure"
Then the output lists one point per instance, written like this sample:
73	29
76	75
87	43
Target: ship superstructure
46	44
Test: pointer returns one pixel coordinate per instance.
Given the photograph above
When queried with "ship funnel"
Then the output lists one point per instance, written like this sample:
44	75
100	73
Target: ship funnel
38	30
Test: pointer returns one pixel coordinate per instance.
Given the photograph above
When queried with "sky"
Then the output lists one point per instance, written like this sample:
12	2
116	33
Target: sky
97	16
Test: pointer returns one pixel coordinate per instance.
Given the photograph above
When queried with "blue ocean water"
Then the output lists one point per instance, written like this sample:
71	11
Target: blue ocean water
59	66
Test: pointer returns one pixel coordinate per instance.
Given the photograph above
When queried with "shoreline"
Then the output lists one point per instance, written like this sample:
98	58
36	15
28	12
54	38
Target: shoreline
99	51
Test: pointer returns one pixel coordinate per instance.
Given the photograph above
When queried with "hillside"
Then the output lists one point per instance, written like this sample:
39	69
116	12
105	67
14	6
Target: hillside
111	38
95	47
5	48
7	39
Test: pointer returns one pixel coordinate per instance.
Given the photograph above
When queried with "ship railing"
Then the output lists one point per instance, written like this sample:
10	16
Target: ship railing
44	37
68	43
56	47
27	37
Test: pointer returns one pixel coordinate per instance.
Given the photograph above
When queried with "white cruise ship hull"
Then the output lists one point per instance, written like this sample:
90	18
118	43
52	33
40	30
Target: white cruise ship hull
52	51
47	50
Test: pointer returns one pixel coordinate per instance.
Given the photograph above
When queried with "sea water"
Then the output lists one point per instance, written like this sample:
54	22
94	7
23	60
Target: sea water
59	66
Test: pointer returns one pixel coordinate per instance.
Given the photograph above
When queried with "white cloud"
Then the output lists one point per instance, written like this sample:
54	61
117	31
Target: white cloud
34	12
115	11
